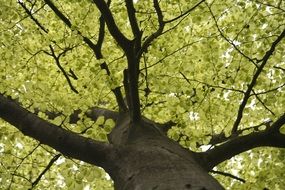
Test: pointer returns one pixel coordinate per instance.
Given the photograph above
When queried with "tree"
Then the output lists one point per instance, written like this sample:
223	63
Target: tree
156	93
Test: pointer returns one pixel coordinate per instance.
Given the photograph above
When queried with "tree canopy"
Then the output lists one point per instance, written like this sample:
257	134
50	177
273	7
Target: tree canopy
210	73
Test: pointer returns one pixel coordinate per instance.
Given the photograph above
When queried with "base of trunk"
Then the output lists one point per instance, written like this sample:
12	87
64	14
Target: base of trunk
158	164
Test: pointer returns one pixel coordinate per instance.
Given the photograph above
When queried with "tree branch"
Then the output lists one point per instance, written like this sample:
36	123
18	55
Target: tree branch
228	175
275	127
132	18
185	13
58	13
95	112
131	87
32	17
96	48
158	32
51	162
277	67
228	40
66	142
270	5
189	81
253	82
270	137
262	103
134	25
221	137
56	58
112	26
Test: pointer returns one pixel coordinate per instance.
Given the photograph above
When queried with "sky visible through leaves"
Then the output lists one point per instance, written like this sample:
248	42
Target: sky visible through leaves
195	74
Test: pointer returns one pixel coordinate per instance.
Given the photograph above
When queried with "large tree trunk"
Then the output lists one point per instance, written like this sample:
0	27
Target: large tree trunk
158	164
151	161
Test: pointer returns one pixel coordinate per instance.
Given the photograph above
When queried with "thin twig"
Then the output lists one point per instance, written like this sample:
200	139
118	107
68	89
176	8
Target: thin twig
185	13
51	162
158	32
254	61
209	85
253	81
56	58
32	17
228	175
262	103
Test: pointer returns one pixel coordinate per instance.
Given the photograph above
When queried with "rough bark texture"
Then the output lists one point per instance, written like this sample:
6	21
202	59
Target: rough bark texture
150	160
147	164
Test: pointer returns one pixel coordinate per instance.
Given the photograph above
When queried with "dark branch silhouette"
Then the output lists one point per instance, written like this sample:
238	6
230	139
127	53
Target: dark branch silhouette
96	48
51	162
228	175
247	94
113	28
185	13
32	17
270	137
56	58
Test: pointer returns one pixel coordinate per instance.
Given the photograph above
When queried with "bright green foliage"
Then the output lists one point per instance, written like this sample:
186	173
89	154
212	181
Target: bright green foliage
196	73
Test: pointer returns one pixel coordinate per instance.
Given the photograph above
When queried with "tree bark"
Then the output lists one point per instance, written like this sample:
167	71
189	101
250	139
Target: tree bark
68	143
149	160
159	164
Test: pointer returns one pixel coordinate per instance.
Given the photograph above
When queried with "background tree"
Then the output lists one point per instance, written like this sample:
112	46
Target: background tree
110	83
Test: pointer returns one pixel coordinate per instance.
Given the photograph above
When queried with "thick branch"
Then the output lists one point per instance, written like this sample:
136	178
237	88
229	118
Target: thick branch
112	26
221	137
253	81
275	127
66	142
58	13
95	112
270	137
132	18
131	78
133	54
134	25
